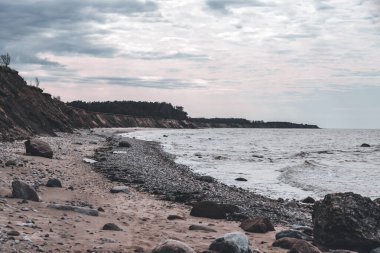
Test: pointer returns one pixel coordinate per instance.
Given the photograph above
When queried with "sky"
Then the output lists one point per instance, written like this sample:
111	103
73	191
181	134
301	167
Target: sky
315	62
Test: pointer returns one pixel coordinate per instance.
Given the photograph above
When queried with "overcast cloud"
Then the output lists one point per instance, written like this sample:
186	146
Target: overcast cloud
270	60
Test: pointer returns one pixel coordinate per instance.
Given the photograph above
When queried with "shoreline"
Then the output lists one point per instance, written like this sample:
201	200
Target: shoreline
148	168
143	217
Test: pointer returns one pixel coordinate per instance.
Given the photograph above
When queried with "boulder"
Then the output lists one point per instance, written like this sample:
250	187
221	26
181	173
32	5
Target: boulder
208	209
175	217
285	243
241	179
78	209
304	247
124	144
207	179
365	145
234	242
12	162
111	226
22	190
308	200
54	182
118	189
230	209
257	225
37	147
201	228
377	201
347	221
304	229
13	233
293	234
172	246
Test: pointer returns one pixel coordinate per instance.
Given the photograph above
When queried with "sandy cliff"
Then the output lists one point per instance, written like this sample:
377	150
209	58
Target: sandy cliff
26	110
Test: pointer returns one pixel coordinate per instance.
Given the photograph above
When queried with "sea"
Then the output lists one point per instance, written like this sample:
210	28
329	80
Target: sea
278	163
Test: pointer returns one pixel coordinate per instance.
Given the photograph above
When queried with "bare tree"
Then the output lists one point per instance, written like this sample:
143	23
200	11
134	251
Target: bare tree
5	59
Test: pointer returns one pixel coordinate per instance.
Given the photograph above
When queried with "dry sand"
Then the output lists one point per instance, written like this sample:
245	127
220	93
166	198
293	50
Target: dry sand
142	217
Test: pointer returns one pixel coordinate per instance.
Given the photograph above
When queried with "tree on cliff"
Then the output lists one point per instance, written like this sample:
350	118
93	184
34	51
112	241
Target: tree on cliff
5	59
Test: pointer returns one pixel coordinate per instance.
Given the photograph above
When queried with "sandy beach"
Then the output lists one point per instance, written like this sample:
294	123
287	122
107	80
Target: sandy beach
141	216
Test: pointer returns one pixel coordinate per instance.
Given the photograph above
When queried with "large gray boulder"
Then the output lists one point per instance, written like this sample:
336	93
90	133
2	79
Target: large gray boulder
347	221
22	190
172	246
235	242
37	147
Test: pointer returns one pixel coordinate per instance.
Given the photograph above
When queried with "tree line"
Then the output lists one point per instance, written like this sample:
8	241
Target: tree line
134	108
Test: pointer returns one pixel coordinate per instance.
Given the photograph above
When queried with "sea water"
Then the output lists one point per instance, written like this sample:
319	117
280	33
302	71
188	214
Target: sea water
286	163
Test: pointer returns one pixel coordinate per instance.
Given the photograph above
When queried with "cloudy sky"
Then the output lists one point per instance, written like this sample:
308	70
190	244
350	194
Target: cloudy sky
282	60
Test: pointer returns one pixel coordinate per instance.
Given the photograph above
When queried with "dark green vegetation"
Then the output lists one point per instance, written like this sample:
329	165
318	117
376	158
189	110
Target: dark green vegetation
238	122
132	108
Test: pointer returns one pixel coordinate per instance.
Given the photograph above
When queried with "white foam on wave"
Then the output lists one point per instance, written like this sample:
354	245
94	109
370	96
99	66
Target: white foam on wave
286	163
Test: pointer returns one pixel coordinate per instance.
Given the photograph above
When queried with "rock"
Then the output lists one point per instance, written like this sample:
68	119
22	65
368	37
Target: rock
303	247
208	209
11	163
242	179
36	147
207	179
111	226
118	189
78	209
377	201
54	182
285	243
365	145
124	144
175	217
293	234
308	200
347	221
172	246
21	190
376	250
103	240
257	225
13	233
90	161
100	209
201	228
230	209
304	229
234	242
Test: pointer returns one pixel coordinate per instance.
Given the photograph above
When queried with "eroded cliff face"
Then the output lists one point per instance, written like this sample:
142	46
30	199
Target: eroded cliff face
26	111
82	118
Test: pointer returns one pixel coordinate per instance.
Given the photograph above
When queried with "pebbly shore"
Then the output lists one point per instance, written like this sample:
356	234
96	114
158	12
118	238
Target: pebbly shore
146	167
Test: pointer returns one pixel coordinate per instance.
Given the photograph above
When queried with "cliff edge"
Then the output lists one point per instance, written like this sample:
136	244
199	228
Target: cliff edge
26	110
